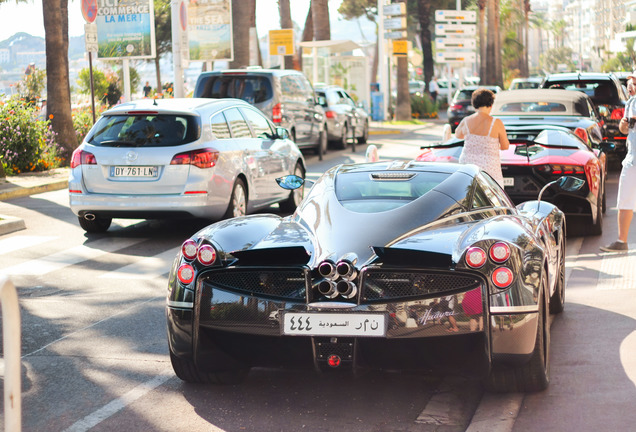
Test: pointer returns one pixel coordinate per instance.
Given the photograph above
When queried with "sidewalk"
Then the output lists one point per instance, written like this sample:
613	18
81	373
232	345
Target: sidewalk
387	128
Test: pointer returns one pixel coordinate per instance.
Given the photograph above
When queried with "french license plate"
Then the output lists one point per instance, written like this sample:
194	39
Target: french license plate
134	171
509	181
334	324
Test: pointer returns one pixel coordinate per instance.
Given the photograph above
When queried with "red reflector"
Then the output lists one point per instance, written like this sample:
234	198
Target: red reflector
277	115
74	191
195	192
502	277
330	114
185	274
617	114
333	361
475	257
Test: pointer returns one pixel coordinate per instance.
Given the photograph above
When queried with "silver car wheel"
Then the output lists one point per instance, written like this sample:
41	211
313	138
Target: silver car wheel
239	200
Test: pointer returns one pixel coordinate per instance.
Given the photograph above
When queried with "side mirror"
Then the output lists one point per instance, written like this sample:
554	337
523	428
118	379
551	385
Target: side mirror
282	133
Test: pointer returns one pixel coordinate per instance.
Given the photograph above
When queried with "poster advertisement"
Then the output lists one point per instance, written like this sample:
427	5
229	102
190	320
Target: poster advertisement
125	29
210	30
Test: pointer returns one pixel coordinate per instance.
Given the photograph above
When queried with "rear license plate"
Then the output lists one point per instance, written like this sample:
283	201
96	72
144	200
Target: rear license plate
134	171
509	181
333	324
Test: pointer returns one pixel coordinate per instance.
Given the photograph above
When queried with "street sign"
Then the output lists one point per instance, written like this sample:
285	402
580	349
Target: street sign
455	29
455	43
456	15
399	34
394	9
395	23
400	48
455	57
89	10
281	42
90	37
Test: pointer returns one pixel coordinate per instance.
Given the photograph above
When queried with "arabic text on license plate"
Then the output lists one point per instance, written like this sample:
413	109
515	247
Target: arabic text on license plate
509	181
134	171
334	324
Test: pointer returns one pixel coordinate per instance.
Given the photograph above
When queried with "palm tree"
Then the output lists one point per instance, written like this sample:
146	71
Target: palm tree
58	92
243	13
320	18
284	10
403	109
424	14
483	59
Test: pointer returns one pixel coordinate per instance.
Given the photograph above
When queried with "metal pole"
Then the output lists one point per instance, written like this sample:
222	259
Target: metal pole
90	71
382	63
127	94
11	346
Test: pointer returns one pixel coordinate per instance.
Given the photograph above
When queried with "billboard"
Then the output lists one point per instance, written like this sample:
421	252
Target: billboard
125	29
210	30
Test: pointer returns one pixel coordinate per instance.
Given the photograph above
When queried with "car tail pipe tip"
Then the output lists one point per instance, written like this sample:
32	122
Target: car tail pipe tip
346	270
89	216
346	289
327	288
327	269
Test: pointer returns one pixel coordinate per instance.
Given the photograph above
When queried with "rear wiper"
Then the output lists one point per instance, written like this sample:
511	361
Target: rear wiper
120	143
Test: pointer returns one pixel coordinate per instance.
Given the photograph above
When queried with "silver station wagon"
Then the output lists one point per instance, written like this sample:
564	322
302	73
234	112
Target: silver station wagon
154	159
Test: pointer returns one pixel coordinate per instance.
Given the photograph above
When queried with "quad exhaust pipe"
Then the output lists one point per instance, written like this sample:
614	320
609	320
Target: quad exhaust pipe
327	288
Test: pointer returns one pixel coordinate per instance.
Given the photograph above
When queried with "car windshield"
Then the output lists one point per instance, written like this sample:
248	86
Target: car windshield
379	191
156	130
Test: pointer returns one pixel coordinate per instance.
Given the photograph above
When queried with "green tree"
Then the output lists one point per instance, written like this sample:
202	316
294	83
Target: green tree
552	59
100	83
32	86
163	33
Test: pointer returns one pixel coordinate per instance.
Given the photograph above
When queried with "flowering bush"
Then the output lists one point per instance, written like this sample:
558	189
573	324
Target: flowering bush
83	120
26	142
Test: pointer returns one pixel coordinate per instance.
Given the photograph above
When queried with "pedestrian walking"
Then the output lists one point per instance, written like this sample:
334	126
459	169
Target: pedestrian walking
433	89
626	201
147	89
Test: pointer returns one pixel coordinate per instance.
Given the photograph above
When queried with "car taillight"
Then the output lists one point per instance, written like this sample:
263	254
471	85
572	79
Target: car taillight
206	254
189	249
203	158
185	274
581	133
330	114
456	107
81	157
559	169
277	114
475	257
499	252
502	277
617	113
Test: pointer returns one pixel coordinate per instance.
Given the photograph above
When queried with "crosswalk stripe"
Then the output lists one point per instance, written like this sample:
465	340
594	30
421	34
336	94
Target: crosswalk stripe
68	257
146	268
15	243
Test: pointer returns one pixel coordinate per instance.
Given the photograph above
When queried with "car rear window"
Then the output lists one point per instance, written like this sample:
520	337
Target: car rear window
372	192
156	130
252	89
464	95
600	91
532	107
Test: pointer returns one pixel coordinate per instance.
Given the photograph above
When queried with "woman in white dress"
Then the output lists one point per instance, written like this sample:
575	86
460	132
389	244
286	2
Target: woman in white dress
483	136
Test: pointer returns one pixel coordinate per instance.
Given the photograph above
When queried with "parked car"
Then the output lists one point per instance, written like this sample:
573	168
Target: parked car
285	96
525	83
607	94
343	116
180	157
461	105
452	258
444	89
539	154
416	87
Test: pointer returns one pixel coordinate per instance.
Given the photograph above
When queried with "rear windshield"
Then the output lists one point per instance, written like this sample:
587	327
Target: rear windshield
252	89
373	192
144	131
531	107
464	95
518	85
603	91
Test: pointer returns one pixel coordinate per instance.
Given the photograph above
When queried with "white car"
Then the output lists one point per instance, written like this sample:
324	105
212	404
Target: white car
205	158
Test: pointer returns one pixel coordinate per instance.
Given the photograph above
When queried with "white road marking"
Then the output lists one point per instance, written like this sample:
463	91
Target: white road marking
120	403
68	257
15	243
496	413
146	268
617	270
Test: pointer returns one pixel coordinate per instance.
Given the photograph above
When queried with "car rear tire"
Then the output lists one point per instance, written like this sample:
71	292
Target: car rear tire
341	144
238	201
295	196
535	374
557	300
365	134
97	225
597	228
321	149
187	371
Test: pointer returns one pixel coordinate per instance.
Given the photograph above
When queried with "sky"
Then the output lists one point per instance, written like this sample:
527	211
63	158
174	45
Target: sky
27	17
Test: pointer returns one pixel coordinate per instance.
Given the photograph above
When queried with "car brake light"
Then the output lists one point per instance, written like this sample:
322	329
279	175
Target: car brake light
189	249
206	254
202	158
499	252
502	277
81	157
475	257
456	107
561	169
617	113
330	114
185	274
277	115
581	133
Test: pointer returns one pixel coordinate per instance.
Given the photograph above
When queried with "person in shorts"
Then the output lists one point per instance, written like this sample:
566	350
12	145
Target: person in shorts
626	202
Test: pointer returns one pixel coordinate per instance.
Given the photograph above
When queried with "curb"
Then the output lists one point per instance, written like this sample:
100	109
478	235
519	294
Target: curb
9	224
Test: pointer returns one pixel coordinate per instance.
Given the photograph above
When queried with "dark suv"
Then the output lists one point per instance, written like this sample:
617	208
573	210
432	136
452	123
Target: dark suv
606	92
285	96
